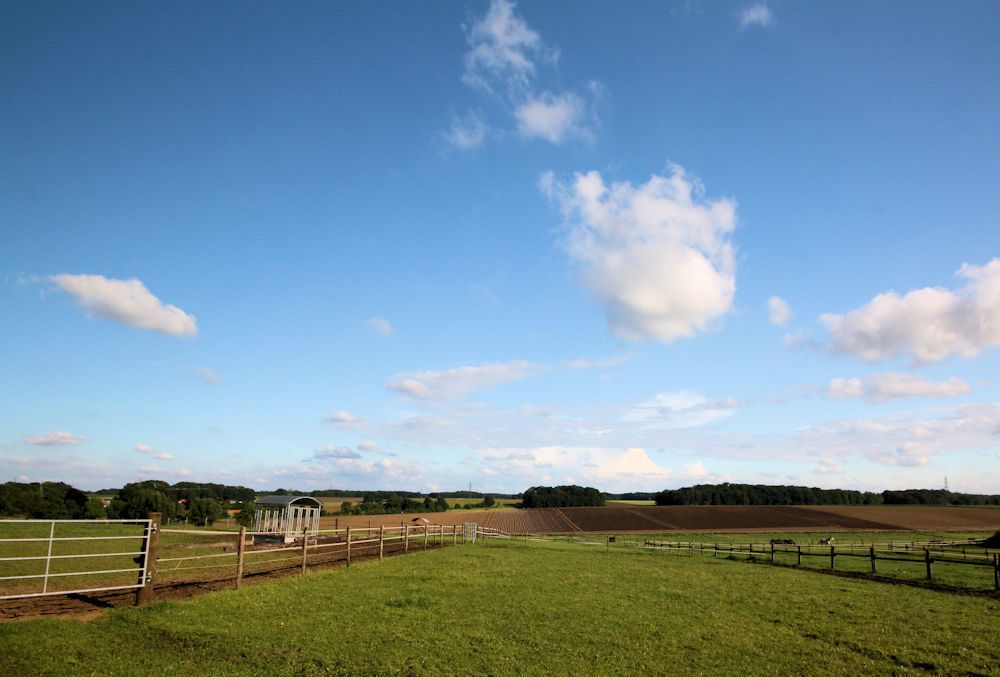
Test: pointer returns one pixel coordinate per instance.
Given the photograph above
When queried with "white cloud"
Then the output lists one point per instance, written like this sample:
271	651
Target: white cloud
369	446
331	452
503	50
160	455
555	119
696	471
503	61
631	463
54	439
930	323
466	133
341	417
895	385
207	375
127	302
828	466
380	326
658	255
683	409
778	311
846	387
756	15
908	454
455	383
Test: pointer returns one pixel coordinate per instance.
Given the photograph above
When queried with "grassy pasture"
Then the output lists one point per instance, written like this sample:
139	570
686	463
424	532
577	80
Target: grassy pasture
507	608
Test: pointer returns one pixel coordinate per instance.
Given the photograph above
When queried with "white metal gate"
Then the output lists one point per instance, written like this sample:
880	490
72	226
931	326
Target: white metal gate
471	529
73	551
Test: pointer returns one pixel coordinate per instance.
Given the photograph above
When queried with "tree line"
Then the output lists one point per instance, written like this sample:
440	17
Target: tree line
763	494
566	496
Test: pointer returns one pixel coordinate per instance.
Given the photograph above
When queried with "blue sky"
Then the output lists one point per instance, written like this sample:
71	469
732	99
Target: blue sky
420	246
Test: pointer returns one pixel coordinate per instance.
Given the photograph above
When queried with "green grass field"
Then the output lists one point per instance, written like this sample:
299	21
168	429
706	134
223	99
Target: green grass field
507	608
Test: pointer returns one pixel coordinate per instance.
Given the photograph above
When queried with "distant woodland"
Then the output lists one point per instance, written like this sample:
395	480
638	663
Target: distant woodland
203	503
763	494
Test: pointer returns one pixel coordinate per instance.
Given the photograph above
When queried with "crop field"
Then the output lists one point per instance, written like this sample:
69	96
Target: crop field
508	608
693	518
721	518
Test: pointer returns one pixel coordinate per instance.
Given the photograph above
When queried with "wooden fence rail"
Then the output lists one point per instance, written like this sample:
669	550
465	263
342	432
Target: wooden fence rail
873	554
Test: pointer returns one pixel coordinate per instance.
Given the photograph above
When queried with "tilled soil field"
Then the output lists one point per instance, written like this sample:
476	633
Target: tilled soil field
658	519
931	518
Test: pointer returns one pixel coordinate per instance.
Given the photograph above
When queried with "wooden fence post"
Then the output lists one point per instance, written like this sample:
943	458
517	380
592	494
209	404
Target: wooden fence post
406	538
425	537
454	534
348	546
873	559
240	545
996	571
150	545
833	557
381	541
772	553
305	545
799	561
927	561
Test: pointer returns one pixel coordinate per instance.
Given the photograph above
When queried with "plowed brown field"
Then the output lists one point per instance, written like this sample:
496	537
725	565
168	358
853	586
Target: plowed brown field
703	518
952	518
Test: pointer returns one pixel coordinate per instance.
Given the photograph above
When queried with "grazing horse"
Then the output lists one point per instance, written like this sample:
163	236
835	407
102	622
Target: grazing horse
826	541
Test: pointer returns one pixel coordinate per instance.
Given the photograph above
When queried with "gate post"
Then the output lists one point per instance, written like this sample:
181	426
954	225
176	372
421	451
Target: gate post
239	555
305	554
150	546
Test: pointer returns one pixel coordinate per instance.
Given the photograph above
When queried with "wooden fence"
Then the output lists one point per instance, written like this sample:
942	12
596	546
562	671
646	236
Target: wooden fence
928	554
252	554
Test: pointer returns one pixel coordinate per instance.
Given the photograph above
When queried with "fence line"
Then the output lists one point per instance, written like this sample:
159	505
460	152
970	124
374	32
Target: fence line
771	550
140	556
922	552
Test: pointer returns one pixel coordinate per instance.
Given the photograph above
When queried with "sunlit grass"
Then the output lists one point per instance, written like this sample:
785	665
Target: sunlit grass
511	608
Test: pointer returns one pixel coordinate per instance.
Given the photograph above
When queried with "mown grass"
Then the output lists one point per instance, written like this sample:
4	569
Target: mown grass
508	608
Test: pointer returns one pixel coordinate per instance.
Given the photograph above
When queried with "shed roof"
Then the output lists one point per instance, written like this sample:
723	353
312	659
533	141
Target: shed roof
301	501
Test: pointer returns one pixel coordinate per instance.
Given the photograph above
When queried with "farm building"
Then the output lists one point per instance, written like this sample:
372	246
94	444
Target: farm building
286	516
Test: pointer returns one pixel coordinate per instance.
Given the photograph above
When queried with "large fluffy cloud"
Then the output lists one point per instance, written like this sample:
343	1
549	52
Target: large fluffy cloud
128	302
659	255
895	385
930	323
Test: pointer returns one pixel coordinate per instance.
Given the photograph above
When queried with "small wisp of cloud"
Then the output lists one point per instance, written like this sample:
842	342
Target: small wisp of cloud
758	14
54	439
